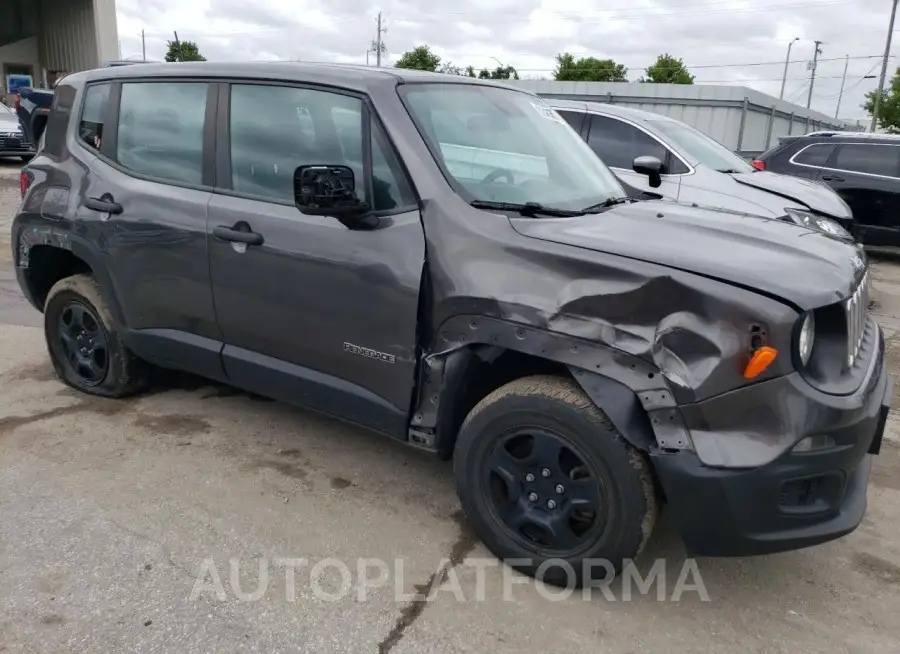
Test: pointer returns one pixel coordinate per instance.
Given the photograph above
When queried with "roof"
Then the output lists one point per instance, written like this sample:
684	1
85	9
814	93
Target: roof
345	75
636	115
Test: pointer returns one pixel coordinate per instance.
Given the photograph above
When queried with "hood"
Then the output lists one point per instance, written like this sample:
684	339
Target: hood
816	196
8	121
802	267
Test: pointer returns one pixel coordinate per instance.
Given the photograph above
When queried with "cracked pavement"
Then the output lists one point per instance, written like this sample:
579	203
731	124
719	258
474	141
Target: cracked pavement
114	514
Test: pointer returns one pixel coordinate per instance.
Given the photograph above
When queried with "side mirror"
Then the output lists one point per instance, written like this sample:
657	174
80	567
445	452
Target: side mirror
650	166
324	190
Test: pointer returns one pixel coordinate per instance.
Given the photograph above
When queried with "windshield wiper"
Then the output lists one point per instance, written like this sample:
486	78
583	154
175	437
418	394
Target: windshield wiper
728	171
606	204
530	209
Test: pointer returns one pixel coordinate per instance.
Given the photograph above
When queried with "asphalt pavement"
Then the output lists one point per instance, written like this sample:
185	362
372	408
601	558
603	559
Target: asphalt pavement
199	519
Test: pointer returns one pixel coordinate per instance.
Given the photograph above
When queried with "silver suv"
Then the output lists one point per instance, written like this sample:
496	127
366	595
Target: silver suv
666	157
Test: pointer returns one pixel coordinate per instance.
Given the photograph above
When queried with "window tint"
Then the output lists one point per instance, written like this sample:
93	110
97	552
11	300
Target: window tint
814	155
574	118
619	144
872	158
275	129
161	130
90	129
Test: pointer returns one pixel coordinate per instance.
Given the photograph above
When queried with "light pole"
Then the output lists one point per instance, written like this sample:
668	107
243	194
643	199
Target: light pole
787	60
887	53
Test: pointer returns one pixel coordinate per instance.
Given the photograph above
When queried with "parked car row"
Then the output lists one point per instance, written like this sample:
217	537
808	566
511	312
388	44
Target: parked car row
843	183
13	140
443	260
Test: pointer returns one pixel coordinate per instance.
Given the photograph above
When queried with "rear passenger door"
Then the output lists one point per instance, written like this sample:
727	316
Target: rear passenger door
147	198
317	313
867	176
619	143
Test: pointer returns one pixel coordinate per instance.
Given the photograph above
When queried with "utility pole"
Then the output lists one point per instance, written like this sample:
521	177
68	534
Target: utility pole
843	81
178	46
884	64
787	60
143	46
379	45
812	74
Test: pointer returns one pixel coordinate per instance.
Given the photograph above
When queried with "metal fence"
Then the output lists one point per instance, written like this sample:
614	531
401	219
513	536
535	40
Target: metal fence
743	119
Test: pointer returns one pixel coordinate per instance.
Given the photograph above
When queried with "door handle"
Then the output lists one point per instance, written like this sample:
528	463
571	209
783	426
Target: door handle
237	236
103	205
832	178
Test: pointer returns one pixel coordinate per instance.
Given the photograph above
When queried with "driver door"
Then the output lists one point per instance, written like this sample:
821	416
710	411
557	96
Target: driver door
313	312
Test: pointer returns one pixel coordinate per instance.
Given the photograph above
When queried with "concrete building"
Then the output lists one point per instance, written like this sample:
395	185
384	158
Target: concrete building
44	39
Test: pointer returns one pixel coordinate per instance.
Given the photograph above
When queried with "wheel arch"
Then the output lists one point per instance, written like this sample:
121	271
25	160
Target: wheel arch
463	369
46	256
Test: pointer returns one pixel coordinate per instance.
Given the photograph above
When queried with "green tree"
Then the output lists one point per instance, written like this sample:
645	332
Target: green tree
588	69
184	51
419	58
668	70
500	72
889	109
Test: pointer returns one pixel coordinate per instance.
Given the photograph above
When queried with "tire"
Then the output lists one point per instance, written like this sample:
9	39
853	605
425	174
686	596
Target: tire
119	373
556	411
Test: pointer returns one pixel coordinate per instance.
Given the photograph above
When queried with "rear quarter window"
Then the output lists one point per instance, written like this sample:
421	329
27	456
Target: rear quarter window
815	154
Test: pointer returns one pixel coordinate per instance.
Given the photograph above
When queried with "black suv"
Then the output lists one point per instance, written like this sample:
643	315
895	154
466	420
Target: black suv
445	261
864	169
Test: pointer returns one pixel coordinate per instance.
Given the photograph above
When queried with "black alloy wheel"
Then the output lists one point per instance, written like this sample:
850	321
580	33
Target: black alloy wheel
544	491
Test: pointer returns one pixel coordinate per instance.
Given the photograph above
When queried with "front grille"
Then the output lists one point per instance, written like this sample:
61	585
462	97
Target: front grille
857	311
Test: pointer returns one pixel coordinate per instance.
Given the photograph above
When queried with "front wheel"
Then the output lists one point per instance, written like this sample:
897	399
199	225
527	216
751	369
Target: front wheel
550	486
84	344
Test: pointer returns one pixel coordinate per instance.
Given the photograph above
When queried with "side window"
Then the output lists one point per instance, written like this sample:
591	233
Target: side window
618	144
90	128
161	129
574	118
874	159
275	129
814	155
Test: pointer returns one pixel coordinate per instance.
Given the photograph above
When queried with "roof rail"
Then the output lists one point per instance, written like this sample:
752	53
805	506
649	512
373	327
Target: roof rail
856	135
127	62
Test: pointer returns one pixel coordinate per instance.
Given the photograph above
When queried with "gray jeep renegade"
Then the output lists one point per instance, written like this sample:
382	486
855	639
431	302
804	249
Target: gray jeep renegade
446	262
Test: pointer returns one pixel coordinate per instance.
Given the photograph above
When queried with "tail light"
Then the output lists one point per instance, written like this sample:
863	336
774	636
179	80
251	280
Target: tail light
24	182
758	164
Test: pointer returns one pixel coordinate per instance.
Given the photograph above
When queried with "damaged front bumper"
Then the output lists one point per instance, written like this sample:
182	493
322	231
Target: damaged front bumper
795	498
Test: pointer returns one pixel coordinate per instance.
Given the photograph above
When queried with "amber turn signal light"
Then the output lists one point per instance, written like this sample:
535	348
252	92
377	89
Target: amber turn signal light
761	359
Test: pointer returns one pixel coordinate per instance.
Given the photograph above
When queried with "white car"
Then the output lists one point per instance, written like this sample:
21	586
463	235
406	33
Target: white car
666	157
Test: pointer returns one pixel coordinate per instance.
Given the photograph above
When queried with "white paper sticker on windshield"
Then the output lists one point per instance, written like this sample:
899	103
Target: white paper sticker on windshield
547	112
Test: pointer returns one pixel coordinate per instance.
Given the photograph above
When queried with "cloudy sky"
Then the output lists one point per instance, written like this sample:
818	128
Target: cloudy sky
740	42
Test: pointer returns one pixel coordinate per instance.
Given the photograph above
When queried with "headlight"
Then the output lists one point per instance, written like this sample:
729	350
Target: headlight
819	223
807	336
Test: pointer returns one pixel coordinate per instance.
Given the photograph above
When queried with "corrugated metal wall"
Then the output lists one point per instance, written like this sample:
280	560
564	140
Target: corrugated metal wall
744	120
68	38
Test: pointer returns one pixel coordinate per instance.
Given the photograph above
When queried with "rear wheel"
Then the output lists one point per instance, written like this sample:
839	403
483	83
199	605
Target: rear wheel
84	344
550	486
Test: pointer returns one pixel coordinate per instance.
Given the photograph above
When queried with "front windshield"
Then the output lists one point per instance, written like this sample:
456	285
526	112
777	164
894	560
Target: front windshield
500	145
701	147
